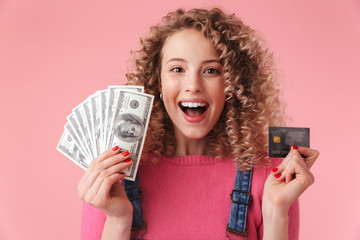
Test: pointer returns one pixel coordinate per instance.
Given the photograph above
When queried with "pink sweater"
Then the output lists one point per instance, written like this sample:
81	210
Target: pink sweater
189	198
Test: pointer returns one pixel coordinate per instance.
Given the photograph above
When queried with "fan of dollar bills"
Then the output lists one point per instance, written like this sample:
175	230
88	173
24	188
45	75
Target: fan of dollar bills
117	116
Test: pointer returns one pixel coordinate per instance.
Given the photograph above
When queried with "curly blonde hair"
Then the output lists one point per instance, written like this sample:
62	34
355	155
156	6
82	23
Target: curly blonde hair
252	93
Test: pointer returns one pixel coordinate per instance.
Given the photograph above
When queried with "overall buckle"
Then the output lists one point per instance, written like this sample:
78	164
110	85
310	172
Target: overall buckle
244	234
238	202
142	227
139	195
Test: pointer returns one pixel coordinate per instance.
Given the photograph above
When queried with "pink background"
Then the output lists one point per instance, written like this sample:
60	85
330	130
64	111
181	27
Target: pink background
53	54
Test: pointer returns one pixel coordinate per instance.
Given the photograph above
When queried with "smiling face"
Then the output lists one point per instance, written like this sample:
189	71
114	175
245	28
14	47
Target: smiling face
192	83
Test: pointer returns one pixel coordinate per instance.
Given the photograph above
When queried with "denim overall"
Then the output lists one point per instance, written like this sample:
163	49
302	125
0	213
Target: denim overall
240	198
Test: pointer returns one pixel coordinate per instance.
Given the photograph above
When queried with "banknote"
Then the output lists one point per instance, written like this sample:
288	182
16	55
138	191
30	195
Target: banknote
95	115
69	148
86	109
103	109
118	116
83	126
130	124
77	129
113	97
69	128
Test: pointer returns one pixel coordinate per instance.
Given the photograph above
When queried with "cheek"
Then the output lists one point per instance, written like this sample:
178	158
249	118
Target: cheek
218	90
167	92
169	87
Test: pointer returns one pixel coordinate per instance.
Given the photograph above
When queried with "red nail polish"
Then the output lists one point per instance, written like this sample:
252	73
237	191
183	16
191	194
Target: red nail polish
122	173
128	160
274	169
278	175
115	148
295	147
125	153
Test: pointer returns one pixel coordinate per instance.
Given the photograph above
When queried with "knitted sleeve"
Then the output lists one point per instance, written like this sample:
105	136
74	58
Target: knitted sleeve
92	222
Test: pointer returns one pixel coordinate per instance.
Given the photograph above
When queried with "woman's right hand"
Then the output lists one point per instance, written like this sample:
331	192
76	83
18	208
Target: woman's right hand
101	188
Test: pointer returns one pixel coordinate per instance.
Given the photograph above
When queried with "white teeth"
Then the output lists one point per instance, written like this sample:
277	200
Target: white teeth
192	104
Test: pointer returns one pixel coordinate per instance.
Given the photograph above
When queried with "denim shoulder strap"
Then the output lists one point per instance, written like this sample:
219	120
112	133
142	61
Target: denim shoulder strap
241	199
133	192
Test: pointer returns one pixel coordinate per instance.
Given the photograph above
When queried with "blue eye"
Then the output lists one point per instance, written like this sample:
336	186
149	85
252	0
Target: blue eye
176	69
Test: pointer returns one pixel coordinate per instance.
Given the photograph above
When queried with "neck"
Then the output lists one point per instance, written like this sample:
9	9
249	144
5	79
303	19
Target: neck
189	146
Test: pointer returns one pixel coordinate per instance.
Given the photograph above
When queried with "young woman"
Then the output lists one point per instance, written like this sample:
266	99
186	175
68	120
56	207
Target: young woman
215	97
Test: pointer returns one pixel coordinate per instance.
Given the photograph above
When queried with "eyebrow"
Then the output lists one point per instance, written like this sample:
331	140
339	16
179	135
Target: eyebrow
183	60
175	60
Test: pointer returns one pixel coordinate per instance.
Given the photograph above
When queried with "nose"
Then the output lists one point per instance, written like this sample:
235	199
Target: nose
194	83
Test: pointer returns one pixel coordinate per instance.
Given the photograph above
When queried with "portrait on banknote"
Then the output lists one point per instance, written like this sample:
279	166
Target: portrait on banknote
129	128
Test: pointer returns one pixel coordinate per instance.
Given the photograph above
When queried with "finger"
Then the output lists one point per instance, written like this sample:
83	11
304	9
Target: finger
280	172
298	185
98	165
291	169
307	152
108	153
300	171
94	190
118	168
310	155
108	182
303	175
101	199
285	162
103	169
288	173
124	156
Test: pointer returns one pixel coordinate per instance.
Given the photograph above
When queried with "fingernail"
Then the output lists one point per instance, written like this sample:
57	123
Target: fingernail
295	147
115	148
125	153
122	173
274	169
128	160
278	175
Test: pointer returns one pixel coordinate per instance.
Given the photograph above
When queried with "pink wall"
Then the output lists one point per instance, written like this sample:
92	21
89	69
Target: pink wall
53	54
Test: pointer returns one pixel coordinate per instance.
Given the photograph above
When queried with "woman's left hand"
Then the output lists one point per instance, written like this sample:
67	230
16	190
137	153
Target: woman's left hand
290	179
286	183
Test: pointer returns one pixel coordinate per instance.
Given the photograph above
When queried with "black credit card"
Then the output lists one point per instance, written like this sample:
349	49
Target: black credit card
282	138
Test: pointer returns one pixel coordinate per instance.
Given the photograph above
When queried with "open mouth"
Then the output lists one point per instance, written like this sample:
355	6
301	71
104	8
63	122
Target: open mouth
193	109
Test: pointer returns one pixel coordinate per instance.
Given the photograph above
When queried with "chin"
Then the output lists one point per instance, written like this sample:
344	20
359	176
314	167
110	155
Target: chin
195	135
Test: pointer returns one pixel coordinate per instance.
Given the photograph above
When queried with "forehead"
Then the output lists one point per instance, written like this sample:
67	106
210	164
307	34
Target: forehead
188	43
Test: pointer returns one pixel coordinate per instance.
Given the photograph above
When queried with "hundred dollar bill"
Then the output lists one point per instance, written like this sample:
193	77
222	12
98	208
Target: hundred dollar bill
95	114
77	129
113	96
86	107
70	149
68	127
130	125
80	116
103	108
